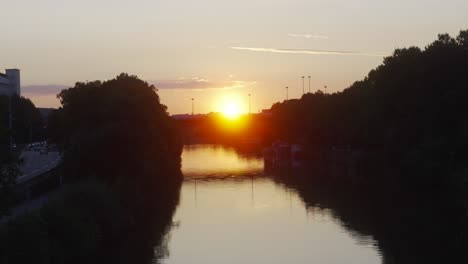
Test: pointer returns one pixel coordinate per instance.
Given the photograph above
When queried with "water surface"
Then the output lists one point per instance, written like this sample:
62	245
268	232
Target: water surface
230	212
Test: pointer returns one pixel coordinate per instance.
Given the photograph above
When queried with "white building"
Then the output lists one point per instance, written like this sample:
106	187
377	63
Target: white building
10	82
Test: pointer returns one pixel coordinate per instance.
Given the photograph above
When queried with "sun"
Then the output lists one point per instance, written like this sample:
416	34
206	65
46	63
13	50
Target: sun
231	110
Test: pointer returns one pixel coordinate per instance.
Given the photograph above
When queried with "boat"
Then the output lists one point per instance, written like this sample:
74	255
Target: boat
282	154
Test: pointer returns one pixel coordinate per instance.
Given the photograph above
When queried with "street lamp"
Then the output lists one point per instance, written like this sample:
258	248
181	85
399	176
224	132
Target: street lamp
309	83
287	96
325	87
302	85
192	106
10	119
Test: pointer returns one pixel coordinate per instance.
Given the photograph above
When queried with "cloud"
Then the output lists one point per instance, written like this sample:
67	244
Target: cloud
308	36
199	84
183	83
194	84
239	84
311	52
42	90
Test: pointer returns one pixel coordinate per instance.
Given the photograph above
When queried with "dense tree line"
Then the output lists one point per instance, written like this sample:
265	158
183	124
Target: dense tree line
116	122
119	132
411	110
27	122
26	125
9	170
121	168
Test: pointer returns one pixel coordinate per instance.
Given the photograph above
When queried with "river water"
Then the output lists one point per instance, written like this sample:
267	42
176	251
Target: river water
231	212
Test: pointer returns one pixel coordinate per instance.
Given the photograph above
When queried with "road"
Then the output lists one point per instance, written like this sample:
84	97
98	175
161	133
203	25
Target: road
35	164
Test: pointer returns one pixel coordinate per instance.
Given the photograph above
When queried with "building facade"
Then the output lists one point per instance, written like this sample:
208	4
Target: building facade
10	82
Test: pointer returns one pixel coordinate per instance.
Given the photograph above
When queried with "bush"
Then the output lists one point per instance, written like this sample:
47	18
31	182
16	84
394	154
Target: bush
70	229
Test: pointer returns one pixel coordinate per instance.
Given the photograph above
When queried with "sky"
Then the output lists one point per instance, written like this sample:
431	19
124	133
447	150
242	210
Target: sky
214	51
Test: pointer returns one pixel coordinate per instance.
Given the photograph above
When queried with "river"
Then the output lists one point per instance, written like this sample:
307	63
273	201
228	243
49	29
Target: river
231	212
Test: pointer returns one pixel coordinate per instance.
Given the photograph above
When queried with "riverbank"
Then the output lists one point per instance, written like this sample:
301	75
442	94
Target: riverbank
121	165
88	222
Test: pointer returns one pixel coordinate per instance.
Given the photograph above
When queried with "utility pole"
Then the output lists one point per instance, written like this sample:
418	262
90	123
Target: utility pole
30	130
192	106
309	83
249	104
302	85
10	120
287	95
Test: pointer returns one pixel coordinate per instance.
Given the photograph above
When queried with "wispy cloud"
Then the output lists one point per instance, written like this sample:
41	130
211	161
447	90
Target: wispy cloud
239	84
182	83
308	36
38	90
194	84
199	84
311	52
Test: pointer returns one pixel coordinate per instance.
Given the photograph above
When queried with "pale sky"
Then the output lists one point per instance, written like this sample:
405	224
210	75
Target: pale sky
215	51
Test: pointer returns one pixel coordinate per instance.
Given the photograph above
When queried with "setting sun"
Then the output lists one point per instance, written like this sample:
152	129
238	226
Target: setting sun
231	110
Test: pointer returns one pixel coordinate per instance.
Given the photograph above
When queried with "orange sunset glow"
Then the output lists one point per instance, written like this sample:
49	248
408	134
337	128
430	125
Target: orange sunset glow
234	132
231	110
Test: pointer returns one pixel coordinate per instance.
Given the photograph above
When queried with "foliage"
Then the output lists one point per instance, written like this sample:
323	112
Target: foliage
9	170
118	132
115	128
68	230
411	110
27	123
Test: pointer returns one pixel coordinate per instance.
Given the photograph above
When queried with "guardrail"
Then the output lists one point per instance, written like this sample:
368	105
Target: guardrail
39	171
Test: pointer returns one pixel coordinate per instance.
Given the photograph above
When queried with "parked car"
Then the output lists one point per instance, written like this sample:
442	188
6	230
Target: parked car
36	147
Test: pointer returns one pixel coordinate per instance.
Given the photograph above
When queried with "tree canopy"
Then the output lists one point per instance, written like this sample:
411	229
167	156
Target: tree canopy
411	109
114	128
26	125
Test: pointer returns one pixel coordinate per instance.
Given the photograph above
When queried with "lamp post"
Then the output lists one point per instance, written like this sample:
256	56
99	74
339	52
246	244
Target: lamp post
287	95
302	85
192	106
309	83
10	120
325	87
249	104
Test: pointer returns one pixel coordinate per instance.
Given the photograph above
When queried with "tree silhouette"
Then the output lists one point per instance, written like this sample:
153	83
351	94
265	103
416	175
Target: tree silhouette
409	111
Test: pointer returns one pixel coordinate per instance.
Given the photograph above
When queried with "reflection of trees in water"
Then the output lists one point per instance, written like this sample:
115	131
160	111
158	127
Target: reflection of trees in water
249	152
241	177
147	239
220	162
406	227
